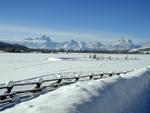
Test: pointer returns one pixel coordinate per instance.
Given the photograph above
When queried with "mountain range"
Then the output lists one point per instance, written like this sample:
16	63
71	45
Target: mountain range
45	42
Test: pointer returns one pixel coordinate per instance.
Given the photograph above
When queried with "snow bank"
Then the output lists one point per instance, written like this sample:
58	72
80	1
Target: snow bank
69	59
54	59
121	94
61	58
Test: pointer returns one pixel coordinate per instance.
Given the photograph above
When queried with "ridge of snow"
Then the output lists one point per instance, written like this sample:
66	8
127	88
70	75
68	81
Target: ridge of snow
120	94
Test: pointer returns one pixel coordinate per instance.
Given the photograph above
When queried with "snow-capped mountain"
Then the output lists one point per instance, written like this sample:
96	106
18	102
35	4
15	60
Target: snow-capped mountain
95	45
79	45
71	45
45	42
122	44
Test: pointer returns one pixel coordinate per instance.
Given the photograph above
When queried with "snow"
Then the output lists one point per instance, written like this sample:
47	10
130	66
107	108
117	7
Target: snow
143	50
119	94
54	59
18	66
46	42
127	93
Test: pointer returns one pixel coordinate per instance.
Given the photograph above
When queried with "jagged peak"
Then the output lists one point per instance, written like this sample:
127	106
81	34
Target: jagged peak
125	40
41	38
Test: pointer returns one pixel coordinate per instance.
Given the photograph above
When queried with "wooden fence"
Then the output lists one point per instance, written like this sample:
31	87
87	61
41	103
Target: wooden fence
43	86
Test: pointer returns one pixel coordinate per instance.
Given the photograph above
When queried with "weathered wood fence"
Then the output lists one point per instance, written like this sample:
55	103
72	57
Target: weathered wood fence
40	85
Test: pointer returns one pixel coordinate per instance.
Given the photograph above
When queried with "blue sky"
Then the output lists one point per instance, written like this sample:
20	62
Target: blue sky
75	19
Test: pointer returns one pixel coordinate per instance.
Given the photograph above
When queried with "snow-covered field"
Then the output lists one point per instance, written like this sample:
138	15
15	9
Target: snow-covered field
23	66
127	93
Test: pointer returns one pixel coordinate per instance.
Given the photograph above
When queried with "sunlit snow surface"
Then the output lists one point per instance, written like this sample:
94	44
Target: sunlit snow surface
23	66
119	94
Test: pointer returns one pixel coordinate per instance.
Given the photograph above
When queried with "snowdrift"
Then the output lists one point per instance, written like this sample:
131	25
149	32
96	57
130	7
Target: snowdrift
54	59
119	94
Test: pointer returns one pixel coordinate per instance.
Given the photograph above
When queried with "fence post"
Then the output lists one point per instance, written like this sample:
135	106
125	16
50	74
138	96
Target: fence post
91	76
9	86
77	77
110	74
125	72
118	73
102	74
59	79
38	83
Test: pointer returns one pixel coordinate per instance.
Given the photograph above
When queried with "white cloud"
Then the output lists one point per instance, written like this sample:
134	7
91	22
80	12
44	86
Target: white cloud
4	29
16	31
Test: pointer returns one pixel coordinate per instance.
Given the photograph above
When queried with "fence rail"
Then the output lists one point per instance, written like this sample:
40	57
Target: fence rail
51	84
